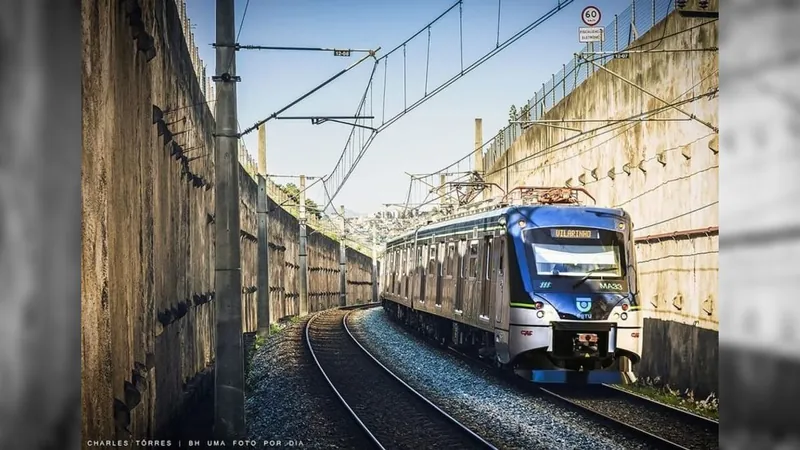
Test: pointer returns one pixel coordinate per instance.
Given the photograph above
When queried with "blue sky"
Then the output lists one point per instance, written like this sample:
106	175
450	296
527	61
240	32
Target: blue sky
435	134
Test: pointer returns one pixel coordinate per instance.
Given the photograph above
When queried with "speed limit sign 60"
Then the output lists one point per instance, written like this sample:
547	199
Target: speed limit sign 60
591	15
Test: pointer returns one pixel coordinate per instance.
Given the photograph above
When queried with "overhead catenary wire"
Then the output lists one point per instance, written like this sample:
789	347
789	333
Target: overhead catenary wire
560	5
656	41
583	136
229	65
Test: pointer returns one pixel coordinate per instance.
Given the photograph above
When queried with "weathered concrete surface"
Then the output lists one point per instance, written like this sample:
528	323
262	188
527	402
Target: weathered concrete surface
148	237
664	173
323	267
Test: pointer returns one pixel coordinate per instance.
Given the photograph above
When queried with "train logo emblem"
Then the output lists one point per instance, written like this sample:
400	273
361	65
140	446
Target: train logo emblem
583	304
544	285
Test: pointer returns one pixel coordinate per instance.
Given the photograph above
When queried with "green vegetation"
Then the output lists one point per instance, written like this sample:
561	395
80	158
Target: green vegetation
654	389
293	192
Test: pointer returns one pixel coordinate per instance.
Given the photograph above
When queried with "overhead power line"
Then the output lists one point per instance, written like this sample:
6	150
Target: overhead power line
352	153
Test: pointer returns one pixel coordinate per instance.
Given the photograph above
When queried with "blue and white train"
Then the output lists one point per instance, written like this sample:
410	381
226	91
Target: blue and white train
547	288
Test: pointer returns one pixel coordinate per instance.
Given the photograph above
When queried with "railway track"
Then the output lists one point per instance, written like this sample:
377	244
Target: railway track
661	425
391	413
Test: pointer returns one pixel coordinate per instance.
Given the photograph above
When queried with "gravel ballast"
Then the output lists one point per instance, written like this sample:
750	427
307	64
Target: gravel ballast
500	414
290	401
676	426
397	417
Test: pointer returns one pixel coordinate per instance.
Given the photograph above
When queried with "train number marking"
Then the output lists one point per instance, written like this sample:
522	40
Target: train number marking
544	285
613	286
635	334
526	333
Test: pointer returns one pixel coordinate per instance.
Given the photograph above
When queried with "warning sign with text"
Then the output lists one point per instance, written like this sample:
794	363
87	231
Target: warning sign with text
591	34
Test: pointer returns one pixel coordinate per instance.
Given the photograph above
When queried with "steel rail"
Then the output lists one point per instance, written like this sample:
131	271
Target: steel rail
414	391
336	391
350	409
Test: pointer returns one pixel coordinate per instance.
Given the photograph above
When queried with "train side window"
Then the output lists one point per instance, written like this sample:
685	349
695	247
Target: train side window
462	251
432	258
418	263
451	259
472	264
403	261
488	266
442	258
502	254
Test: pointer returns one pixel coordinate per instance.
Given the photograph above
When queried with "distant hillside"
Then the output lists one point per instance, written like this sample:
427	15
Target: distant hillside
348	212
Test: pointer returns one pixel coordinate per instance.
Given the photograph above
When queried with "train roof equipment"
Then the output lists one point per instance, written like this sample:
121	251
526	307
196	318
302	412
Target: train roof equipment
519	196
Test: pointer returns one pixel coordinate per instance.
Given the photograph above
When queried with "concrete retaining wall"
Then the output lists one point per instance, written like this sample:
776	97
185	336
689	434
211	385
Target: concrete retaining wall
147	314
663	172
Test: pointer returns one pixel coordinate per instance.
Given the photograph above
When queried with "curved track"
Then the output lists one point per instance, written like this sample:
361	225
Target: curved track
389	411
661	425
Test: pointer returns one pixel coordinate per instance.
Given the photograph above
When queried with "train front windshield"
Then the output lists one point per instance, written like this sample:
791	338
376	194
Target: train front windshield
575	252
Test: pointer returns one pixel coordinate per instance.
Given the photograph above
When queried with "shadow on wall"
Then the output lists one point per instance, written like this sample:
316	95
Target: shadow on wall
684	354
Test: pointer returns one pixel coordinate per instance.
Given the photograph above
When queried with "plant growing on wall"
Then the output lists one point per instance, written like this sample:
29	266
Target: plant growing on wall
513	115
293	192
525	113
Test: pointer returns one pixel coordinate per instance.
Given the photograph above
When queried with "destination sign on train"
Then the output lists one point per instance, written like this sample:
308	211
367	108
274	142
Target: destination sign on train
561	233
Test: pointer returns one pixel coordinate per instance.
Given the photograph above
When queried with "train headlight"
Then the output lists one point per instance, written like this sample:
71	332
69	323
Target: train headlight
538	305
623	316
625	306
540	314
522	223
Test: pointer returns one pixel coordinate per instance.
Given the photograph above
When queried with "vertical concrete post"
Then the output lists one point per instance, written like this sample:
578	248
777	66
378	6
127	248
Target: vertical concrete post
374	264
302	278
262	210
442	189
229	377
544	96
343	263
478	155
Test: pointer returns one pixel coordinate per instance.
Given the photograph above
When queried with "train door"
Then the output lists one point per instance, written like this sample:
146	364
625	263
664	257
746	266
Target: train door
440	264
419	272
460	275
396	273
403	272
407	273
500	304
412	273
449	280
472	280
489	283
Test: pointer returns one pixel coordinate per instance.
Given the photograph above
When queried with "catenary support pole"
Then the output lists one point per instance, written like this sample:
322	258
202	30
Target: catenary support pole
343	263
303	275
263	293
229	368
374	264
478	155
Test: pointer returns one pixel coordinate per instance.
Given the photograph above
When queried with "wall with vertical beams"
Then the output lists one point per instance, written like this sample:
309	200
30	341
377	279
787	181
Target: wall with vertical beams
147	304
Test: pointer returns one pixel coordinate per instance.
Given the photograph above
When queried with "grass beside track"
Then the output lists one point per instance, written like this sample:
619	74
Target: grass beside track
653	389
